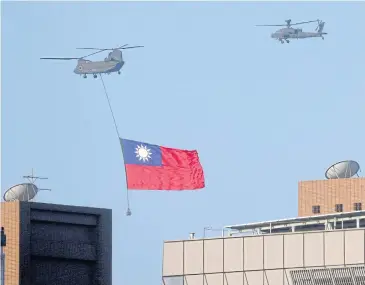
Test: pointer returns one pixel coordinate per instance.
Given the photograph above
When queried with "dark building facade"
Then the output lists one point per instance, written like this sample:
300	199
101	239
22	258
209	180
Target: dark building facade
50	244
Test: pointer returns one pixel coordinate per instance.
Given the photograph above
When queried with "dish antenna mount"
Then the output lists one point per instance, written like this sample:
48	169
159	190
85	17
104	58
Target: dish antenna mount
25	192
343	169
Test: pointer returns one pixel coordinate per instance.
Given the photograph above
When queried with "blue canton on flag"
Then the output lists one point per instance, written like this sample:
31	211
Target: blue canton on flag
140	153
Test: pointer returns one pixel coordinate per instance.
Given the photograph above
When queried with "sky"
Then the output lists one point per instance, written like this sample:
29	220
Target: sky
262	115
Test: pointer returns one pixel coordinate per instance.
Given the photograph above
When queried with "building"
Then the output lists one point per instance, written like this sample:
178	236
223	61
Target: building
56	244
324	249
330	196
324	245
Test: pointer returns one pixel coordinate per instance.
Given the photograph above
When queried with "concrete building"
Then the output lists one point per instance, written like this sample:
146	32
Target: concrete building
324	249
330	196
324	245
56	244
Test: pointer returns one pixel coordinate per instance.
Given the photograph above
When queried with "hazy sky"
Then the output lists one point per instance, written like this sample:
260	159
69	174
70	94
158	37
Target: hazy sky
263	115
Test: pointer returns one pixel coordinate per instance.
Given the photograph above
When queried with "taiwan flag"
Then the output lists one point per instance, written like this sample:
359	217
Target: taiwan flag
153	167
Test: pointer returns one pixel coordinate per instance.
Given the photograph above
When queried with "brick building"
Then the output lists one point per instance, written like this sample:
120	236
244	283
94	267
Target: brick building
331	196
56	244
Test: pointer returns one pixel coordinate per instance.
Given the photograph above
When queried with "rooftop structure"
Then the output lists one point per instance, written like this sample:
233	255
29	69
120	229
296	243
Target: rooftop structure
334	221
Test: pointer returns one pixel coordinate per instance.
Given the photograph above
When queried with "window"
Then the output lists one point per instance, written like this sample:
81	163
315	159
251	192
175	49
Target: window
339	208
173	280
316	209
357	206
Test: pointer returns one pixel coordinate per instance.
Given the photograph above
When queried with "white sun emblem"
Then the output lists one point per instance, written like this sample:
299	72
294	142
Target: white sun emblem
143	153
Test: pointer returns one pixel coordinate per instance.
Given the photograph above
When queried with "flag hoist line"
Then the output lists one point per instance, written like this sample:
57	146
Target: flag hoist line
128	213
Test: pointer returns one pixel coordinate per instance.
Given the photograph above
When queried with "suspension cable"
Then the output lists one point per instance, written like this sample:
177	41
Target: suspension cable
116	129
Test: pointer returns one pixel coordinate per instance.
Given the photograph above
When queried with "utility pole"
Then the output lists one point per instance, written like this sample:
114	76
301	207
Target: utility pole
3	244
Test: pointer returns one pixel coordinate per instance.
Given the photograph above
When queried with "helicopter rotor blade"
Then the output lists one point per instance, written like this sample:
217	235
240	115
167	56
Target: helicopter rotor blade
92	54
304	22
270	25
60	58
288	24
130	47
103	49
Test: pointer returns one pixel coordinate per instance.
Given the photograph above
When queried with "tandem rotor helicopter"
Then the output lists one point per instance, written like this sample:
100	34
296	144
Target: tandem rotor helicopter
292	33
113	63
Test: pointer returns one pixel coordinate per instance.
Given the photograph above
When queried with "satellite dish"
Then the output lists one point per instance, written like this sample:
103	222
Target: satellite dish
24	192
21	192
342	169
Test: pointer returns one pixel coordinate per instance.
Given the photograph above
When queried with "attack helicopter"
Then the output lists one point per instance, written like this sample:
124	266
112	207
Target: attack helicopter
287	33
112	63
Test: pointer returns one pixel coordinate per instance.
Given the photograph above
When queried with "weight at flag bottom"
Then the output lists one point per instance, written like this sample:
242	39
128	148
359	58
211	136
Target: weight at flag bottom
154	167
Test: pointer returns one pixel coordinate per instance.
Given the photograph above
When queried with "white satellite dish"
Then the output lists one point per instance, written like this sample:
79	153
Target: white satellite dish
342	169
24	192
21	192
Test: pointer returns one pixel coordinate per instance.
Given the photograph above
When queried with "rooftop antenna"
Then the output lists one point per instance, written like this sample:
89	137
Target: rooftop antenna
26	191
343	169
31	178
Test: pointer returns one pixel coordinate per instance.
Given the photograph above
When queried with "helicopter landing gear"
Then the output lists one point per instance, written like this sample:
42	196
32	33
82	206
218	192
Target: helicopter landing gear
322	38
95	76
119	72
85	76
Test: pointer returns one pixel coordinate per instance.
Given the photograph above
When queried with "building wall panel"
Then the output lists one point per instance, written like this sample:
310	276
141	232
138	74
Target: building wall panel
274	277
313	249
193	257
267	259
233	254
334	248
194	280
273	251
293	250
253	253
173	258
286	277
214	279
254	277
48	271
233	278
354	247
213	256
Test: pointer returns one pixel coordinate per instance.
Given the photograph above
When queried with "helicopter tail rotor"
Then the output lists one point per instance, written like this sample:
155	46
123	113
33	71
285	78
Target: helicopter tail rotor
320	26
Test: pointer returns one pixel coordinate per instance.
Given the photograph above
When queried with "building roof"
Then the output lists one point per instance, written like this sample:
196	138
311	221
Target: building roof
353	219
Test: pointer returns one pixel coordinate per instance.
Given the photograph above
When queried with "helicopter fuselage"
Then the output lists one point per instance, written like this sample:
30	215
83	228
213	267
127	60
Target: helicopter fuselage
97	67
290	33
